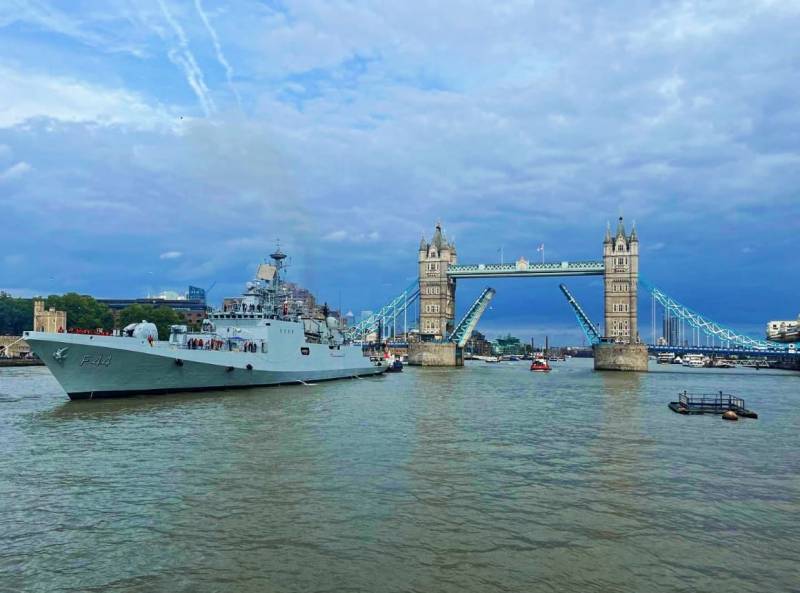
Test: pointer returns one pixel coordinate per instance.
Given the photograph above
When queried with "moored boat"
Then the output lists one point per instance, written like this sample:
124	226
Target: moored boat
665	357
694	360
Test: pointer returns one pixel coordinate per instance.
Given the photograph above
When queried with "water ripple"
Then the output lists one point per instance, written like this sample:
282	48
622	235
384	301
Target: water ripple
480	479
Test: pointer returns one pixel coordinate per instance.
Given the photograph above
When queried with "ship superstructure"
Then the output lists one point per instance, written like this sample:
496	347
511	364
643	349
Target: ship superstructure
259	338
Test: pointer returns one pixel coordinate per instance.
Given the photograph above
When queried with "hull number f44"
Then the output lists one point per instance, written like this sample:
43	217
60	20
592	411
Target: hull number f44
96	361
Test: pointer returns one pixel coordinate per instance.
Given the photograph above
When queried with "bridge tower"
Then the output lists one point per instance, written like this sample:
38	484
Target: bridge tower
437	292
622	350
621	259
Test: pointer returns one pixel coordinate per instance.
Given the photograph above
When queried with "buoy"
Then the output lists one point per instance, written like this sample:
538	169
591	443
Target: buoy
179	362
729	415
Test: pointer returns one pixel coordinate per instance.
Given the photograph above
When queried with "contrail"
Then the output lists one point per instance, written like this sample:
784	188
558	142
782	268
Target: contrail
218	48
197	84
194	76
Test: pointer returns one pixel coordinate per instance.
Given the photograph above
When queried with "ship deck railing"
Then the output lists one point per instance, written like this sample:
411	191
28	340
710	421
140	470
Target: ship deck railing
221	344
710	403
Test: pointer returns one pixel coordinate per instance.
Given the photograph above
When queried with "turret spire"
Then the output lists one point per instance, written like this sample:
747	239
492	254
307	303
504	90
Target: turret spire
438	239
620	228
608	232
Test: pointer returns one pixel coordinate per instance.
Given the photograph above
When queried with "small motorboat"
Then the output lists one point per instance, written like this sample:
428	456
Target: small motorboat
394	365
539	364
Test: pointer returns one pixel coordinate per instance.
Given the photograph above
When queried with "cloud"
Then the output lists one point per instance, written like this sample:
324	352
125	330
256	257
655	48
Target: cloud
15	171
515	123
170	255
341	235
27	95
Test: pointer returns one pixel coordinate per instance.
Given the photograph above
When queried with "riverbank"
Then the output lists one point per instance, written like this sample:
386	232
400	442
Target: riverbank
20	362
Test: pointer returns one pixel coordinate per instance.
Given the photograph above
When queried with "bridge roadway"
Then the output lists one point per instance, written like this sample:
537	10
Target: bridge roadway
777	352
523	268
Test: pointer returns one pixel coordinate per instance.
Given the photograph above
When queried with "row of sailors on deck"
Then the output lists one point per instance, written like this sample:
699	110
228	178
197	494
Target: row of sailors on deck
208	344
214	344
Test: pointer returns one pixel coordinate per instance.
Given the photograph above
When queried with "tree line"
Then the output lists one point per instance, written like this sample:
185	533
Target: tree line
84	312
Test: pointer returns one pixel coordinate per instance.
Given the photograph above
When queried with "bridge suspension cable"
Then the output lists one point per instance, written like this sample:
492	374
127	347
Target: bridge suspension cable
387	314
698	323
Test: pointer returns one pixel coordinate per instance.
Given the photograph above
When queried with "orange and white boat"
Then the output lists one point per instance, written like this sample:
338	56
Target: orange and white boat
539	364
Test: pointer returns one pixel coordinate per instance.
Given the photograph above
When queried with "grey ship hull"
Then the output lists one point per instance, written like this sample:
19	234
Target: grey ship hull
90	367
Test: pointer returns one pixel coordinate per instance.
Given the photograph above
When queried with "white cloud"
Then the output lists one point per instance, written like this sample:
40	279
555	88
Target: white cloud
336	236
15	171
28	95
170	255
341	236
370	122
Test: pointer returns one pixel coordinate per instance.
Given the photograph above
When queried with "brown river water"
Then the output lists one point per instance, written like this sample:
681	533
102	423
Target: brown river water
487	478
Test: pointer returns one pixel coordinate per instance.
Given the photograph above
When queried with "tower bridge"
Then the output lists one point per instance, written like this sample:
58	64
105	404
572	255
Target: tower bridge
439	270
619	348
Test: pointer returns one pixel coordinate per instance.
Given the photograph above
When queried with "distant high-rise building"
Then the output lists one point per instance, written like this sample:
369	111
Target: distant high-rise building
670	331
196	293
509	345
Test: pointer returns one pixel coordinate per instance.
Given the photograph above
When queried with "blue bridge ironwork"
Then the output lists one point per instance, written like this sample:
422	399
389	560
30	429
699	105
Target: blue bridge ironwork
589	329
727	337
465	327
525	269
386	315
723	340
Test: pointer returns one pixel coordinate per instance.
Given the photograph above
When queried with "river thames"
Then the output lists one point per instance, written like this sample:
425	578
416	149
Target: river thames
487	478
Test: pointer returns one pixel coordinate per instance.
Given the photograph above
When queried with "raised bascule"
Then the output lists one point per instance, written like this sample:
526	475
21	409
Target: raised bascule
619	347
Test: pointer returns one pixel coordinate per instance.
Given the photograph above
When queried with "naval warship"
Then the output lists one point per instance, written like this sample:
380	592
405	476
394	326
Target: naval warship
261	338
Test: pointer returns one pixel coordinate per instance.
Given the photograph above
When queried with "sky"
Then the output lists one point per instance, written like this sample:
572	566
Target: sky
149	145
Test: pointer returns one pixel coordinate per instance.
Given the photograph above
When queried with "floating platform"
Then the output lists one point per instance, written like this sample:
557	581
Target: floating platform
710	403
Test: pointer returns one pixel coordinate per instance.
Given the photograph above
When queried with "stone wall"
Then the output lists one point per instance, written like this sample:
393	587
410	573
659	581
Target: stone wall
48	320
429	354
620	357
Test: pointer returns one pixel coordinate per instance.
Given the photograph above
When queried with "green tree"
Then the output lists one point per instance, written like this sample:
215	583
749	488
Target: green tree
82	311
16	315
162	316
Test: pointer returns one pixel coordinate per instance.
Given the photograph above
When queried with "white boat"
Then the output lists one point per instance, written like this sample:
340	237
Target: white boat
256	341
665	357
694	360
